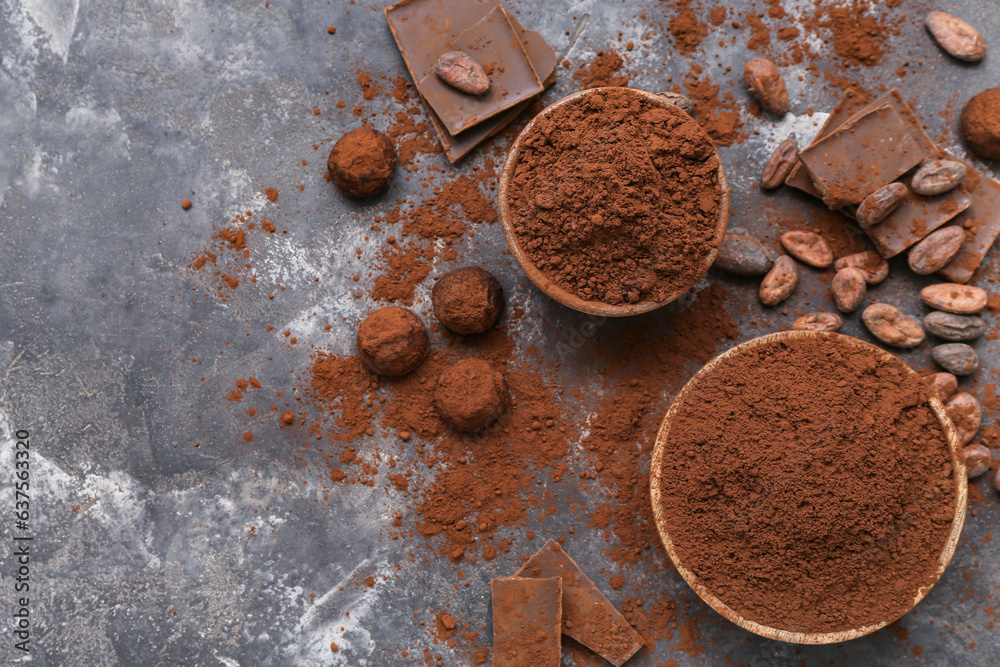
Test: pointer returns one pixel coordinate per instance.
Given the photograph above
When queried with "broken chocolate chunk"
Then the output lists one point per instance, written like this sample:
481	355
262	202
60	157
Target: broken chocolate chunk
588	616
492	41
527	618
866	153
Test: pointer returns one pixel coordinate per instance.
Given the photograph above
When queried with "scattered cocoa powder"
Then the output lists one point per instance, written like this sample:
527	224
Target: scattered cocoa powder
823	498
604	70
616	198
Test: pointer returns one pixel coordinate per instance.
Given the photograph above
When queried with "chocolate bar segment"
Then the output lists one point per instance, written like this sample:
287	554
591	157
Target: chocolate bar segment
424	28
588	616
981	222
866	153
494	44
847	107
915	218
527	616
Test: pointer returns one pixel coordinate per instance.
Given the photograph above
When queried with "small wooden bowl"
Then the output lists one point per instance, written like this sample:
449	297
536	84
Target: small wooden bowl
958	467
542	281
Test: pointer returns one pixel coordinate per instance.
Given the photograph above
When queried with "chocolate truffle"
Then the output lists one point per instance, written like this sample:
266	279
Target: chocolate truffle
362	163
980	124
471	395
392	341
468	300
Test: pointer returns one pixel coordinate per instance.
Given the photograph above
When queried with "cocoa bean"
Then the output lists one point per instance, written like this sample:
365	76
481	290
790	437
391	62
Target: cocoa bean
938	176
818	322
957	358
966	414
462	71
957	38
744	256
780	281
996	480
869	262
977	460
936	250
808	247
879	204
681	101
848	289
763	80
941	385
953	327
780	165
891	326
954	298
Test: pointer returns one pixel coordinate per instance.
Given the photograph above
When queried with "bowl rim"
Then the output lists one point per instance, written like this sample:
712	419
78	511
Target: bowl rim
703	591
540	279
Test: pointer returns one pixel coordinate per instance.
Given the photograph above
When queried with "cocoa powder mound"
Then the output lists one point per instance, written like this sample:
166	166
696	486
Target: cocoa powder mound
858	37
808	484
685	27
616	198
719	116
605	70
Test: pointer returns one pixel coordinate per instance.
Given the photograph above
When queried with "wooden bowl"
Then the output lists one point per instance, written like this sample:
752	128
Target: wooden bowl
542	281
958	467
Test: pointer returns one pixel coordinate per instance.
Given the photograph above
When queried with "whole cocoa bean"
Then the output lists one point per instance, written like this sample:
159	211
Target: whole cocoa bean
941	385
679	100
954	298
780	165
744	256
818	322
764	82
848	289
977	460
938	176
957	358
780	281
891	326
936	250
953	327
966	414
878	205
996	480
958	38
462	71
808	247
869	262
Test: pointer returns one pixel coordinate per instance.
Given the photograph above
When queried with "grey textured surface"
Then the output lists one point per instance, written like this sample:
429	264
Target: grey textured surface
111	112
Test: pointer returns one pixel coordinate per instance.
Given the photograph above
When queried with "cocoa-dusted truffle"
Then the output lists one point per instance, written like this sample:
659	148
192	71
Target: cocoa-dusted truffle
392	341
468	300
362	163
471	395
980	124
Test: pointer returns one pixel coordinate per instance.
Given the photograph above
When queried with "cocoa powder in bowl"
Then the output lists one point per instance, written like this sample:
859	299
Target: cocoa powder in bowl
616	197
806	482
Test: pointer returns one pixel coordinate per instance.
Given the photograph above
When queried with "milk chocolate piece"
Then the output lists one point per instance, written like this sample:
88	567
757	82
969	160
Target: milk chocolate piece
494	43
866	153
588	616
915	218
981	222
847	107
527	616
424	28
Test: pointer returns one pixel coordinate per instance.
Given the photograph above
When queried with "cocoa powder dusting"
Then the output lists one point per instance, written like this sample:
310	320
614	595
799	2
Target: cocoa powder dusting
808	484
616	198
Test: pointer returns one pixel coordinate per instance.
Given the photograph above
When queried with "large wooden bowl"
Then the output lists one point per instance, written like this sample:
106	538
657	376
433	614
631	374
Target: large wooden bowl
542	281
958	467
